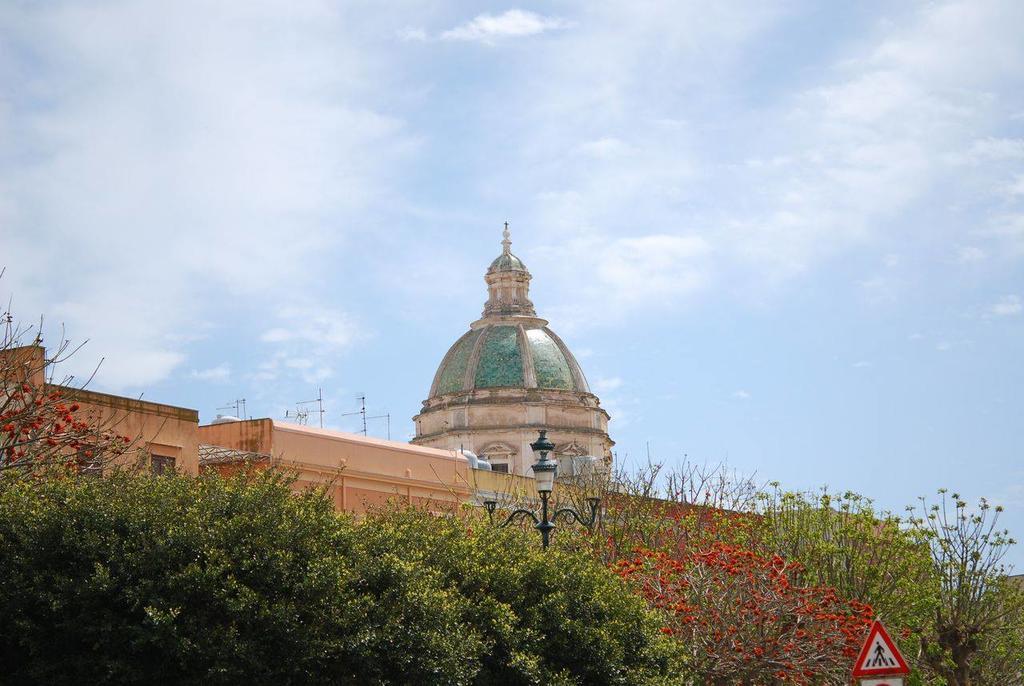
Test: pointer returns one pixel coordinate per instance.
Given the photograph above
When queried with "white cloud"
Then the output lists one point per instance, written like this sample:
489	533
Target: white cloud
173	155
515	23
622	133
320	327
623	276
306	342
284	366
224	160
659	265
220	373
861	364
741	395
1007	306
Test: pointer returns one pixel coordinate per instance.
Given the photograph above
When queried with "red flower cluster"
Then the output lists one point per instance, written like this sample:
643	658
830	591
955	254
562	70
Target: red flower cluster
38	429
744	621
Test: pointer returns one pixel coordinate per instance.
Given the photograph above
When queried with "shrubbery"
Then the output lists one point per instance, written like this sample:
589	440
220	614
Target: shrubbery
183	580
555	617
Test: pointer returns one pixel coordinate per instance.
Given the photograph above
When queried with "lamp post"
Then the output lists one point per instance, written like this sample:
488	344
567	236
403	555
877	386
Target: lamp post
544	471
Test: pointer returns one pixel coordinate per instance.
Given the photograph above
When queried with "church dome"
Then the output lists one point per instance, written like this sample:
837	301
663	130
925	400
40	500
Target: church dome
509	355
506	262
507	377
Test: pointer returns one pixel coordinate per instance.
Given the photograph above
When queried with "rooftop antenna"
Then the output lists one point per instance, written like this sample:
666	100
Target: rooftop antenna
302	413
299	414
362	413
8	324
387	418
239	406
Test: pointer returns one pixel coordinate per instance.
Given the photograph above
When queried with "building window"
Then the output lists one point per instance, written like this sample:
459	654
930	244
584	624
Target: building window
161	464
500	455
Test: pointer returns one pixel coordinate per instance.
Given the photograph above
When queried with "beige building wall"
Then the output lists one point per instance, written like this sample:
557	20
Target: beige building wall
169	433
360	472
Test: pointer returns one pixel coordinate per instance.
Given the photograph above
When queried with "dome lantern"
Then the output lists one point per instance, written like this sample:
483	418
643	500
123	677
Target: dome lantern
508	284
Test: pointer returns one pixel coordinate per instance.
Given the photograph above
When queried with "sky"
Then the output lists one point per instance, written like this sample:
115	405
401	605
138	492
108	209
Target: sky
789	235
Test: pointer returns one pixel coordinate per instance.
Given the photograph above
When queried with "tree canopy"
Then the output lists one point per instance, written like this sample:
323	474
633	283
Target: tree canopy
173	579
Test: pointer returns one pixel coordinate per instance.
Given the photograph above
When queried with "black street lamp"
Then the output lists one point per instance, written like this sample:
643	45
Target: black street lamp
544	471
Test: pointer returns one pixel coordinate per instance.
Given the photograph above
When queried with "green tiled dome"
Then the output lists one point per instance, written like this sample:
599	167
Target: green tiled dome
506	355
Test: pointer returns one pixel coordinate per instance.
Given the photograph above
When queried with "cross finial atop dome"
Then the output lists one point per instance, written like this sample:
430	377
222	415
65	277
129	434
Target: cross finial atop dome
506	241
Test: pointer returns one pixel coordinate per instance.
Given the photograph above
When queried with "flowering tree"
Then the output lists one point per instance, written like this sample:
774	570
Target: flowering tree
41	427
844	542
742	620
662	508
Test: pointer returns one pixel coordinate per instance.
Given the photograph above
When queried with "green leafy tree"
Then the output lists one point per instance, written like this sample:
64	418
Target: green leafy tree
1000	658
178	580
976	632
554	617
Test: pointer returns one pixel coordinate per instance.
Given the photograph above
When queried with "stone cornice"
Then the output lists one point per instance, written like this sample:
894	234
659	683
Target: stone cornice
498	428
513	396
509	320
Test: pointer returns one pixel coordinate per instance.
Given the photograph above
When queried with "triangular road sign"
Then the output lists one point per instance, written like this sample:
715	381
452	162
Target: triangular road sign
879	656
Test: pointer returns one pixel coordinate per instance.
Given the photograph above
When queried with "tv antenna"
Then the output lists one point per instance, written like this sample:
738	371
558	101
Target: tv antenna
362	413
8	320
302	413
239	407
387	419
299	414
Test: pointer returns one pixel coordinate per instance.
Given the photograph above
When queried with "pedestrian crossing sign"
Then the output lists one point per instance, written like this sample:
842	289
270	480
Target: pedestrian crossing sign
879	656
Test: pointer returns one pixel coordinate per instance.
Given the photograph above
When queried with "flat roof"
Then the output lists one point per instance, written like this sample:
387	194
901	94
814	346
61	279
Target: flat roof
348	437
126	403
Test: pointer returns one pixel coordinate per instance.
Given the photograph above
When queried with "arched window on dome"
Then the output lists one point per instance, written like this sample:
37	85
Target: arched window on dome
500	455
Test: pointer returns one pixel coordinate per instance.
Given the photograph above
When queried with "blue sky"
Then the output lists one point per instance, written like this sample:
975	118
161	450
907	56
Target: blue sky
787	235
